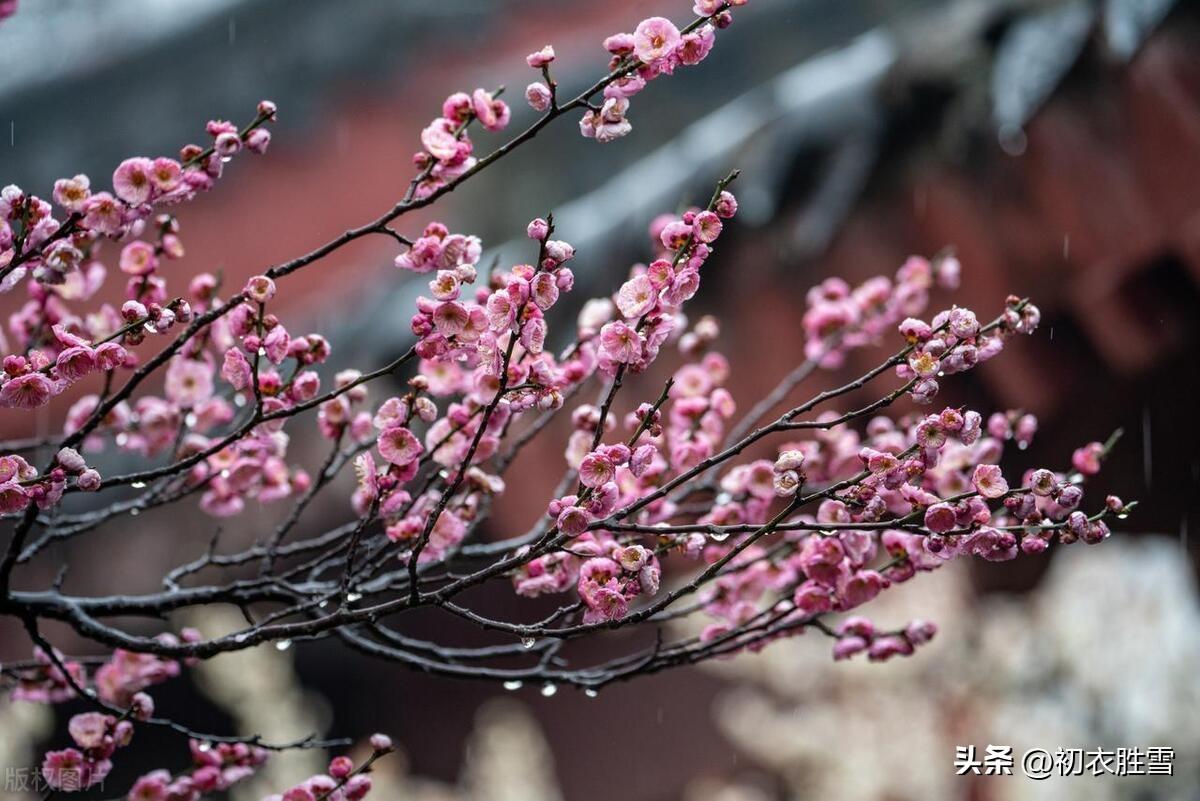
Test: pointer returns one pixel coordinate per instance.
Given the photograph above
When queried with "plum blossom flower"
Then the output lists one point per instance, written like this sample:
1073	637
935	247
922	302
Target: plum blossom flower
439	139
75	363
27	391
538	95
989	481
1087	459
636	297
399	445
940	518
72	193
655	39
541	58
236	369
620	342
189	382
133	180
572	520
493	114
595	470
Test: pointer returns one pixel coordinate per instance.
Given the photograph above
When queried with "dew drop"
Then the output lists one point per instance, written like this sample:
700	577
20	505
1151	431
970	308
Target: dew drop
283	645
262	351
353	596
528	642
138	485
1022	445
241	637
225	473
239	400
134	512
720	536
323	604
548	689
512	685
191	419
204	746
591	692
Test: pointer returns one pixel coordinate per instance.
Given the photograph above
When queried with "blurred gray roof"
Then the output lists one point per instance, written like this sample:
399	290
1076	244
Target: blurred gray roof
80	81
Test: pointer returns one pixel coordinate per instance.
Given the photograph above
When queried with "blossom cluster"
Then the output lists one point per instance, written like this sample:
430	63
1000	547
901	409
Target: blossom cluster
54	346
216	765
119	683
343	781
770	527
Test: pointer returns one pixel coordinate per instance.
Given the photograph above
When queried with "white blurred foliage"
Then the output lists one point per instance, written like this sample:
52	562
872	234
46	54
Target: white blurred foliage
259	689
21	725
507	759
1103	654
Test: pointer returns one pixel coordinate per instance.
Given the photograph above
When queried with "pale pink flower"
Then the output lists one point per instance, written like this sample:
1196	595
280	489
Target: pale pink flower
619	44
655	39
72	193
167	175
275	344
260	288
138	258
102	214
438	138
988	481
133	180
87	729
399	446
492	114
227	144
189	382
595	470
636	297
620	342
258	140
706	227
538	229
89	480
451	318
541	58
544	290
538	95
695	46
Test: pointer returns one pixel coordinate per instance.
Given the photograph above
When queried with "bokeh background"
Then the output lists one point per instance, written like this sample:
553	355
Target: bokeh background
1055	146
